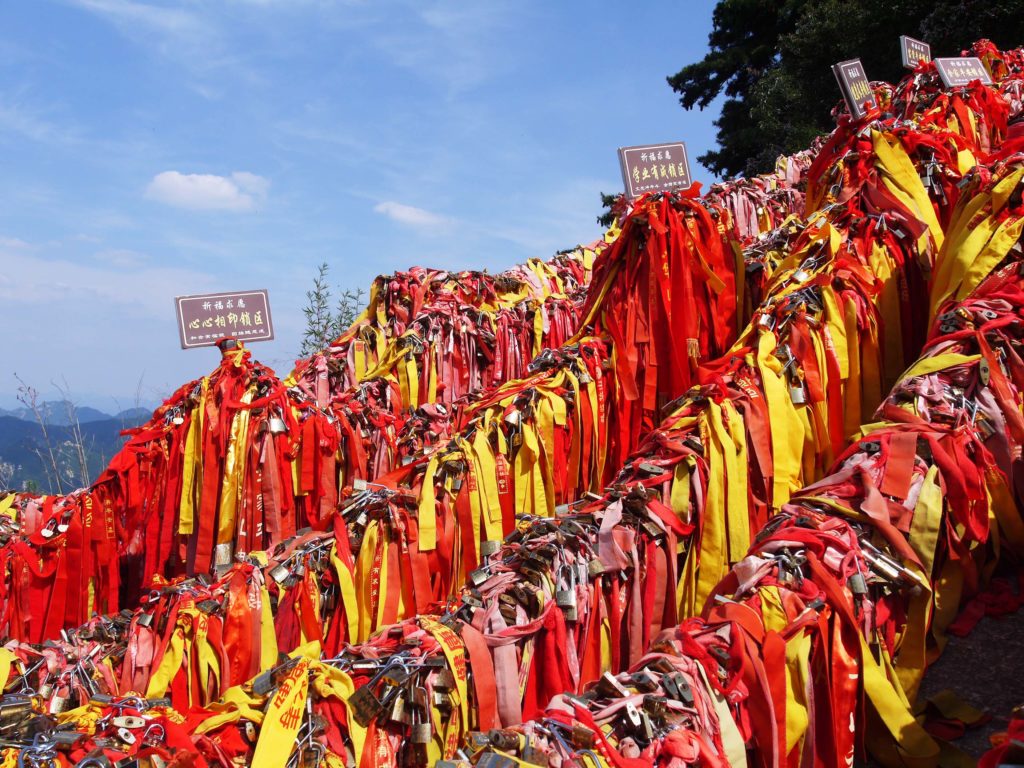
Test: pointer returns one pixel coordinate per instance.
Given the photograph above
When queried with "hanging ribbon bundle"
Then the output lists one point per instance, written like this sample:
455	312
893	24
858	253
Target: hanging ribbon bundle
441	335
760	204
231	462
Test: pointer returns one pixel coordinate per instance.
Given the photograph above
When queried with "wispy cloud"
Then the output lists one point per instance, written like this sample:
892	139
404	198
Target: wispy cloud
453	44
122	279
241	191
122	258
31	124
413	216
135	16
189	35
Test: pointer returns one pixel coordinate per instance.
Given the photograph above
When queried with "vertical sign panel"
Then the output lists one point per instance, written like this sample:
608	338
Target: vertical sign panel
914	51
242	315
654	168
855	87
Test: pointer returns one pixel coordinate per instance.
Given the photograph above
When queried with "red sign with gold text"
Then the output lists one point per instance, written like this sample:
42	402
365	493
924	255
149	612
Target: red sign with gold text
242	315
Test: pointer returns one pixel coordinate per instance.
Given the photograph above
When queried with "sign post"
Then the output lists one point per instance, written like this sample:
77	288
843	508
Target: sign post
914	51
654	168
206	318
855	87
961	70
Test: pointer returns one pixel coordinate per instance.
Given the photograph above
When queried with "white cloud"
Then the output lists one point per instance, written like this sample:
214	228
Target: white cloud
241	191
412	216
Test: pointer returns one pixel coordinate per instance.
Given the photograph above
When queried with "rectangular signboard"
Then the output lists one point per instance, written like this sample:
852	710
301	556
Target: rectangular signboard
914	51
654	168
855	87
961	70
242	315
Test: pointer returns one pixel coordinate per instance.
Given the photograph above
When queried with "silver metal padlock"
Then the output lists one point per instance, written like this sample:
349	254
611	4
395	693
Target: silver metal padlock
797	393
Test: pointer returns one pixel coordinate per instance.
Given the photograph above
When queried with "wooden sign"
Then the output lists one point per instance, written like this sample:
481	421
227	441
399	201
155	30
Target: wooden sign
204	319
855	87
654	168
914	51
962	70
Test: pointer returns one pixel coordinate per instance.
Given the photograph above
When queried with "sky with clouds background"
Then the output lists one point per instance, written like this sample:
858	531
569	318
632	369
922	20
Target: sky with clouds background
156	149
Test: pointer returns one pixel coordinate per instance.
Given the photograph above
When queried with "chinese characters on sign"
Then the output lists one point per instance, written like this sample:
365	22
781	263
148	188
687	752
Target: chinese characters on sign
855	87
243	315
914	51
654	168
961	71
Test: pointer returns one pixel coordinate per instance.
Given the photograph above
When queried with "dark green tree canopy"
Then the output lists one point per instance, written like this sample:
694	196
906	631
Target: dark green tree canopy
771	60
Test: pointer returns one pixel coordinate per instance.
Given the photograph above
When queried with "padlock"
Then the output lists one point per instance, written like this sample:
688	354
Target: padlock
478	577
57	705
565	598
797	392
643	681
595	568
505	740
263	683
654	706
397	712
280	573
277	425
128	721
489	546
984	371
445	680
582	737
365	705
127	736
421	732
494	760
632	714
857	584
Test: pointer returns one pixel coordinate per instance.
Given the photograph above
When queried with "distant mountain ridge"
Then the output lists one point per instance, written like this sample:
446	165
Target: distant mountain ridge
24	456
56	413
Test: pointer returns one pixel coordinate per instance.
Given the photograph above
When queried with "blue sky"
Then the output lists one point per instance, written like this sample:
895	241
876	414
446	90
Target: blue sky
149	150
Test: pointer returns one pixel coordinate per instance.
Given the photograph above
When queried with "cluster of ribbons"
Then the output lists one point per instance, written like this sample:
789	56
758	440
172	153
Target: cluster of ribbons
529	550
442	335
760	204
232	462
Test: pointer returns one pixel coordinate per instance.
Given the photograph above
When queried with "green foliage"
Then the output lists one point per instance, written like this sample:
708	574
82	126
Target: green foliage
771	61
322	324
607	218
